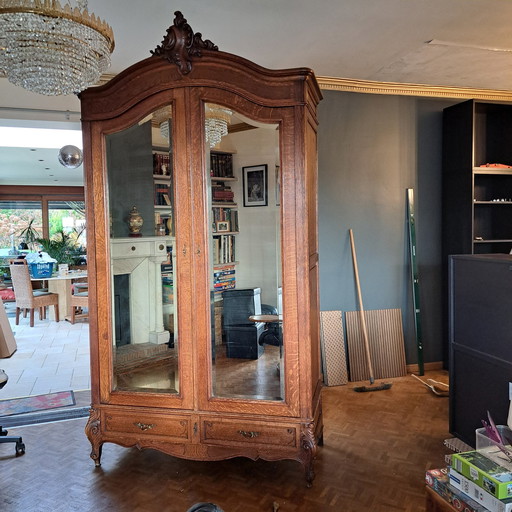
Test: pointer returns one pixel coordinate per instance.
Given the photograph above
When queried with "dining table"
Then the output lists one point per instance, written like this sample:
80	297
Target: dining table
61	284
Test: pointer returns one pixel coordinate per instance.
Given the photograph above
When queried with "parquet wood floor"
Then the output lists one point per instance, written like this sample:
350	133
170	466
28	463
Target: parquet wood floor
377	447
248	378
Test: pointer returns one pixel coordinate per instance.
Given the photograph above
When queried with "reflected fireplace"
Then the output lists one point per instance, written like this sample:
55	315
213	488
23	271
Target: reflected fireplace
136	271
122	309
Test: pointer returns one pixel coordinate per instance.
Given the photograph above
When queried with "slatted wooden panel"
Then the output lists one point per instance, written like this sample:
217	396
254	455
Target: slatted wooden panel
334	360
386	340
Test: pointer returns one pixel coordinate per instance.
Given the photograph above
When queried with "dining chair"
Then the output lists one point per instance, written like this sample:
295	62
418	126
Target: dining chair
79	300
28	299
80	284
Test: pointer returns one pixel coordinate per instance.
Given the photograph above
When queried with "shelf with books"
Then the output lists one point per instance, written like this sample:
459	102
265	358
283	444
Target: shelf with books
168	289
161	162
221	164
224	219
162	193
162	204
222	194
223	249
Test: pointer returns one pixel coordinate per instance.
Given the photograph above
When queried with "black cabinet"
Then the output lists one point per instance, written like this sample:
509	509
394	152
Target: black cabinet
480	334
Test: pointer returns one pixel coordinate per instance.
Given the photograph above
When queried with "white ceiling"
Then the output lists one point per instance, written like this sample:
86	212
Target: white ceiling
459	43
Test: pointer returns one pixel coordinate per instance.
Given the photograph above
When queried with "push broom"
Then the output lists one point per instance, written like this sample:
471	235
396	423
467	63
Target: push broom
377	387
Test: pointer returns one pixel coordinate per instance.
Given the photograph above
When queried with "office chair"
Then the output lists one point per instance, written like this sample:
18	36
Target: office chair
4	438
272	334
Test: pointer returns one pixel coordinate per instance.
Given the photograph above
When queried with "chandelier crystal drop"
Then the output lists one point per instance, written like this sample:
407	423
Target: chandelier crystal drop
50	49
216	123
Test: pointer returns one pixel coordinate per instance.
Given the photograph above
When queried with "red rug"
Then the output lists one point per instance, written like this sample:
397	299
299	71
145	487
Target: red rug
36	403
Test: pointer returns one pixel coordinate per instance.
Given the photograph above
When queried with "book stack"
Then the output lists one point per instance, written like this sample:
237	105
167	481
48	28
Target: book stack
439	481
167	280
479	494
223	249
222	193
485	475
221	165
480	479
224	279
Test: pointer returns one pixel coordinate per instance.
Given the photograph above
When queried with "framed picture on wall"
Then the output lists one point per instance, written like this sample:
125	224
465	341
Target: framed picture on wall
255	185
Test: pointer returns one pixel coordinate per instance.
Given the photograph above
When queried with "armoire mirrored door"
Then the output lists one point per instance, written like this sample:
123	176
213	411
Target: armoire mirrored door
143	264
245	264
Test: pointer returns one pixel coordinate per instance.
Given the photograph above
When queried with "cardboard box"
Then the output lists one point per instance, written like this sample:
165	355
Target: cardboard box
478	494
439	481
487	469
7	342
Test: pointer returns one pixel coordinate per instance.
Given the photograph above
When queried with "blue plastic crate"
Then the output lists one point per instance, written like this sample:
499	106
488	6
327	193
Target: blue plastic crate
41	270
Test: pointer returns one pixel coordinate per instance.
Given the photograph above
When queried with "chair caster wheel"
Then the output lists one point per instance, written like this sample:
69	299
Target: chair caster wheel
20	448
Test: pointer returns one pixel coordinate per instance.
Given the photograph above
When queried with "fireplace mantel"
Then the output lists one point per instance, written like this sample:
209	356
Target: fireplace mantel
140	258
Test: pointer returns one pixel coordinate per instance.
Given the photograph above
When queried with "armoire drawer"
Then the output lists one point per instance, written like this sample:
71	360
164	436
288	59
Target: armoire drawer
218	432
147	423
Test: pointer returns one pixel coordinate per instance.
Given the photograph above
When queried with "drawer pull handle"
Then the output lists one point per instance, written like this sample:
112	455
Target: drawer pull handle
144	426
134	248
248	435
161	247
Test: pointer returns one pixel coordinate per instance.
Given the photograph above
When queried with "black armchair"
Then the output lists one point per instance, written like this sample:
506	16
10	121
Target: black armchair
4	438
242	335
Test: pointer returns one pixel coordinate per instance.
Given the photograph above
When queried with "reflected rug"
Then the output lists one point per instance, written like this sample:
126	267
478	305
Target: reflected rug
29	404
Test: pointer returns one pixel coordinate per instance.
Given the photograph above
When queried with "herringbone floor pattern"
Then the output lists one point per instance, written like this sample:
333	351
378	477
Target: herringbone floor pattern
377	447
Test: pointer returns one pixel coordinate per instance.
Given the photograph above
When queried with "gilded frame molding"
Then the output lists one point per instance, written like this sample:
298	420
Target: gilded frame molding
395	88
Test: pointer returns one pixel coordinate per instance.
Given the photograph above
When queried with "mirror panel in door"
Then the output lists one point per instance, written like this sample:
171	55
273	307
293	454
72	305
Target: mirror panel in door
245	259
140	175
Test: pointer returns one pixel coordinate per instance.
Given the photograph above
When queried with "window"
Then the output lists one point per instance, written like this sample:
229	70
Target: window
17	219
45	211
69	217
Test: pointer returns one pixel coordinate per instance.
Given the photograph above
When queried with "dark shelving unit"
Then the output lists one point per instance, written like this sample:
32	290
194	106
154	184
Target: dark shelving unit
477	183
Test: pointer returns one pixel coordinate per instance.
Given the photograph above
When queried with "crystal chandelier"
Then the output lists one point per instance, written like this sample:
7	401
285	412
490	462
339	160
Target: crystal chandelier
50	49
216	123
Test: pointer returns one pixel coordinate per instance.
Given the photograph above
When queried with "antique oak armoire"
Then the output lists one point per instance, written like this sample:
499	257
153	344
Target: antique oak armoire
218	157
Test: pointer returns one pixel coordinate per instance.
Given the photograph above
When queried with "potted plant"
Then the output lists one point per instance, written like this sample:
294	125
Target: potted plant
63	247
29	236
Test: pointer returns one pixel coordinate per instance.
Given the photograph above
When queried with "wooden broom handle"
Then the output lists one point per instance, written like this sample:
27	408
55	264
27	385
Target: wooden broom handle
361	309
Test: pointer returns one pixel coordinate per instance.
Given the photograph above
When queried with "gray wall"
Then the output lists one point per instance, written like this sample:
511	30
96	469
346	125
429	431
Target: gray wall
130	178
371	149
